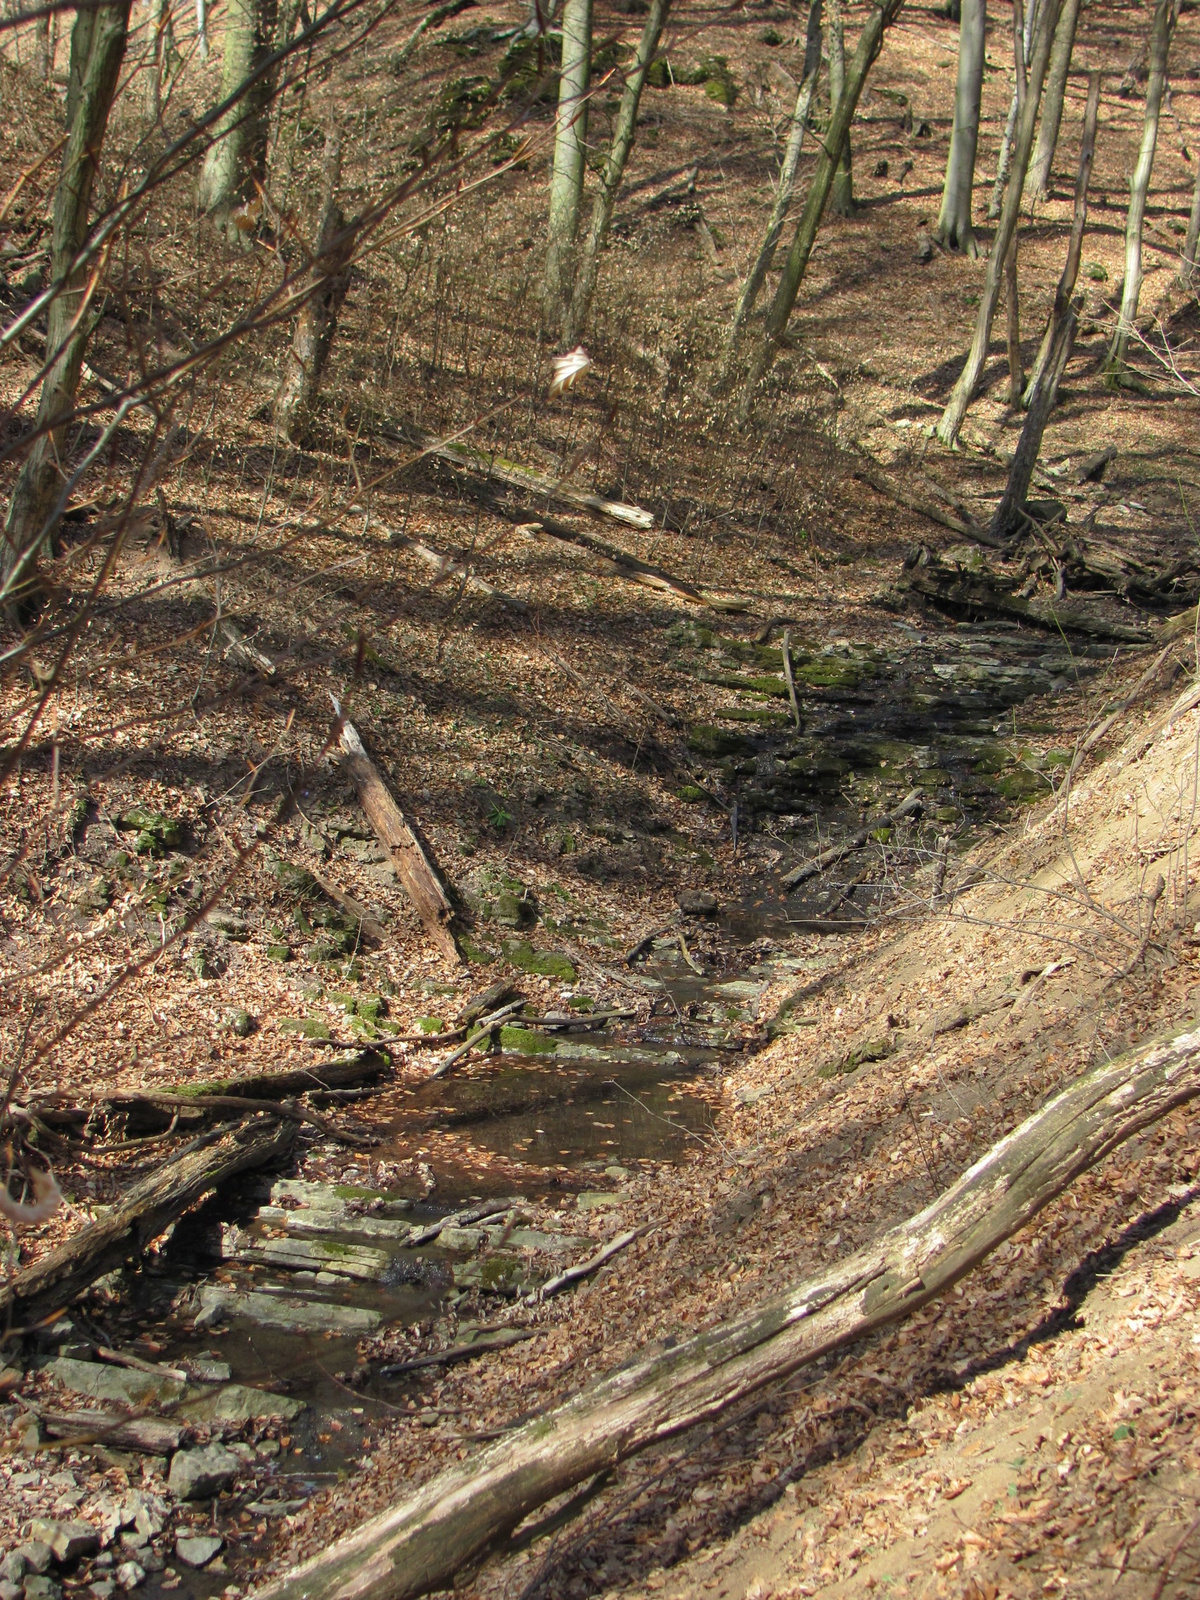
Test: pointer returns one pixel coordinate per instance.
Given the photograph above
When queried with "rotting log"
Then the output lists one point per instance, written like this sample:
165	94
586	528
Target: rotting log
468	1511
413	866
191	1101
147	1210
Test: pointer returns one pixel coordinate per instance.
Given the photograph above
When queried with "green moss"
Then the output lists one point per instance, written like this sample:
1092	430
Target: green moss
526	1042
296	880
156	831
347	1191
542	963
305	1027
1023	786
705	740
279	952
831	672
430	1025
690	795
475	953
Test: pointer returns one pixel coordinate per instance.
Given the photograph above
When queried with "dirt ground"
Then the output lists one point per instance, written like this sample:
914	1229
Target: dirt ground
1037	1432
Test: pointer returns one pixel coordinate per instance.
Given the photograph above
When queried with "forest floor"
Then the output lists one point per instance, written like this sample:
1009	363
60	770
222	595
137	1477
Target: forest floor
1039	1430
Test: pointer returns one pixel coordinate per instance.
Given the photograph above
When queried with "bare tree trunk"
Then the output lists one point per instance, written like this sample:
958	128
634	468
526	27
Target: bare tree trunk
1066	283
812	39
1139	188
32	513
236	161
870	41
1188	270
466	1512
44	48
202	29
570	145
1008	516
165	60
954	229
968	380
842	196
624	133
1038	185
1016	376
783	200
1023	26
317	323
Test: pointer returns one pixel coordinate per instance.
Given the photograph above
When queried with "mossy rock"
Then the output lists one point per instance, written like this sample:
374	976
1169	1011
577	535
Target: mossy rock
477	954
241	1023
279	952
659	74
305	1027
1023	786
826	773
541	963
498	897
831	672
430	1025
156	832
296	880
992	761
705	740
690	795
492	1274
373	1007
526	1042
759	714
722	89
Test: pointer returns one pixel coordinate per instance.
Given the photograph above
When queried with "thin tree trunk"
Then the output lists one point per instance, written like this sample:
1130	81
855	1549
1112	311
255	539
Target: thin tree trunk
1188	271
236	161
77	64
1066	283
1008	516
870	41
570	145
812	40
1139	188
202	29
783	199
954	229
1023	26
164	56
316	324
44	56
1016	376
467	1511
968	380
624	133
30	524
842	195
1038	185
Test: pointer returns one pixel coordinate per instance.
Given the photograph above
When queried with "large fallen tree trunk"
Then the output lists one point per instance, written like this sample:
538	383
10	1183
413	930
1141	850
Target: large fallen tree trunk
413	866
469	1510
147	1210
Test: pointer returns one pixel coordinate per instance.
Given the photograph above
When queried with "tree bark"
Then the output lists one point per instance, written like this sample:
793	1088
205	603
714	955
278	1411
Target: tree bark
468	1511
1139	188
1008	516
842	195
165	59
1016	377
783	199
870	41
570	146
614	171
1038	184
954	229
1023	26
236	160
413	866
968	380
316	324
147	1210
1188	270
1066	283
98	41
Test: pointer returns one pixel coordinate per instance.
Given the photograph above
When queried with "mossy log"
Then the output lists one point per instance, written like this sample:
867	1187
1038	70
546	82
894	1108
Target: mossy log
469	1510
147	1210
979	594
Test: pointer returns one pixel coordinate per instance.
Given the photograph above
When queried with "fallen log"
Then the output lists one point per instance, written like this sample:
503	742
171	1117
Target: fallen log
451	566
468	1511
147	1210
230	1106
496	469
830	857
584	1269
925	507
413	866
974	592
347	1072
153	1436
486	1026
500	1339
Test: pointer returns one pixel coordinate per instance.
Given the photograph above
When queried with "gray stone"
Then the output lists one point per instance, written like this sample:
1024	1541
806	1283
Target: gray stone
305	1255
238	1403
198	1474
121	1384
241	1022
596	1200
493	1274
9	1590
129	1574
210	1371
38	1555
228	922
12	1567
286	1312
39	1587
464	1239
198	1549
102	1590
326	1220
698	903
739	989
68	1540
554	1244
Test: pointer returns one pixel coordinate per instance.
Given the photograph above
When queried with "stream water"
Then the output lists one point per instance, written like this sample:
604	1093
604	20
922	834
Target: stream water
279	1280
